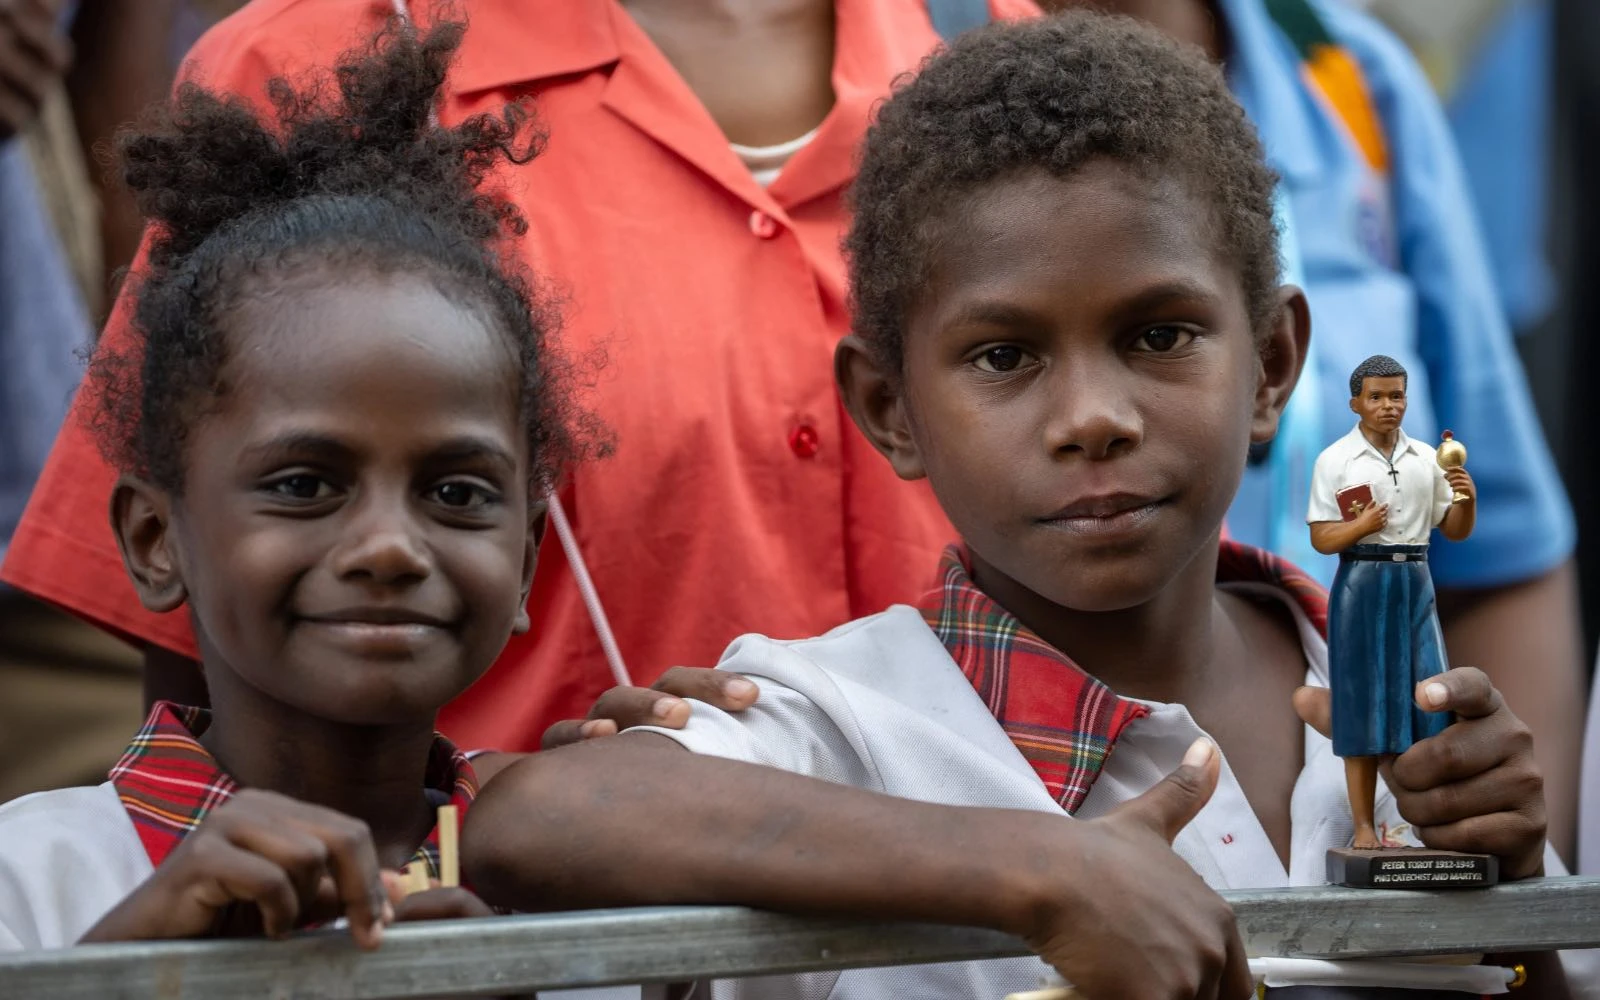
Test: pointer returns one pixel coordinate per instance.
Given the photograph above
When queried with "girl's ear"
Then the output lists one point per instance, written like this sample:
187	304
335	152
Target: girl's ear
1280	356
877	405
141	520
530	560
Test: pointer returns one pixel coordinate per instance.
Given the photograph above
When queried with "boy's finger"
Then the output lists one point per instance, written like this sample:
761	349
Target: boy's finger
1507	835
627	707
718	688
442	904
569	731
1463	751
1500	789
1466	691
1176	799
1237	981
1314	705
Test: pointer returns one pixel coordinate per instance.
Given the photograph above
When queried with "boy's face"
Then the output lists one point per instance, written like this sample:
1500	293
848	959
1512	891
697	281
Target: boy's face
1381	404
1081	384
353	537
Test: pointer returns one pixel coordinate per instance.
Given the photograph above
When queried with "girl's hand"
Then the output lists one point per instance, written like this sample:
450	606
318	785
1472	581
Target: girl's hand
1475	786
286	862
434	903
660	704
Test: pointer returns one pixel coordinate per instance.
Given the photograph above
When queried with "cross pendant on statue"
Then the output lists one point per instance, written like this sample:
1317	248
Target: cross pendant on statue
1394	474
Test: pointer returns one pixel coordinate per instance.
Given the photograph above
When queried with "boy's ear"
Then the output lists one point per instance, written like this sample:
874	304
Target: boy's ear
141	520
1281	356
877	405
530	561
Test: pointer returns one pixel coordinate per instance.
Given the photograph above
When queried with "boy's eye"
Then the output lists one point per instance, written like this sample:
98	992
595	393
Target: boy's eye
302	486
1000	359
462	496
1161	339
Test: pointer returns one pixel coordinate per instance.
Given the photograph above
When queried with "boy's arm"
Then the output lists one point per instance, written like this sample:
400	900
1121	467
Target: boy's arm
635	820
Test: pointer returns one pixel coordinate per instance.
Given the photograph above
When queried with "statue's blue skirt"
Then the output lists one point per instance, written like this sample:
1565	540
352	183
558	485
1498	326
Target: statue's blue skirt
1383	638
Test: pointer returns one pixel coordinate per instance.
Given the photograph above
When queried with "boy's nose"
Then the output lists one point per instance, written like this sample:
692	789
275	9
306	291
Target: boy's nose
1091	413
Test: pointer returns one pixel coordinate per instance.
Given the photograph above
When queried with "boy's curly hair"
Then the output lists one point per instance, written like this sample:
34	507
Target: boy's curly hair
1051	94
241	204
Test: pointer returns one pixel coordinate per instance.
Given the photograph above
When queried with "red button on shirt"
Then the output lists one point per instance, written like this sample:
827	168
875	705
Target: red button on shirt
804	441
763	225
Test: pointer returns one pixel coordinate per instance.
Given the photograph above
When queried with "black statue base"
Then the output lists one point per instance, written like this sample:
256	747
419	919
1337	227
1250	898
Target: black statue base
1411	868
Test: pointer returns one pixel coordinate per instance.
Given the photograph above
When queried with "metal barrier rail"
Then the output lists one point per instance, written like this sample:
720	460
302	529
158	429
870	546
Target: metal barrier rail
603	947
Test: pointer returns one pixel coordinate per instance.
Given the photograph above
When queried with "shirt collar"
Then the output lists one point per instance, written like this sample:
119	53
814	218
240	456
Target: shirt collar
1062	720
510	42
1402	443
515	42
168	782
1266	76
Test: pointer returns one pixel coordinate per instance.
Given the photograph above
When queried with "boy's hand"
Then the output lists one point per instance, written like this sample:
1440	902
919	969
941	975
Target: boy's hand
1461	482
1475	787
1373	519
660	704
1136	922
290	862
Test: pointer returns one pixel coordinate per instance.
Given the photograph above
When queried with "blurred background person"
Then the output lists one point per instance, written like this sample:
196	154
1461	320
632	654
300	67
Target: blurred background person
70	73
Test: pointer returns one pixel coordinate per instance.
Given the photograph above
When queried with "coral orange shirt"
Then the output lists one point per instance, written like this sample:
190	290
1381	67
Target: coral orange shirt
739	497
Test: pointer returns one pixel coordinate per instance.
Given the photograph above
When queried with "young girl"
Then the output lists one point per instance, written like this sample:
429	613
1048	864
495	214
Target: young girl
334	430
1068	319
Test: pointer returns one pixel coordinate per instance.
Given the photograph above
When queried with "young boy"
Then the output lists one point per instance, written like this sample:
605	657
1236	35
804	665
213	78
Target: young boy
1068	320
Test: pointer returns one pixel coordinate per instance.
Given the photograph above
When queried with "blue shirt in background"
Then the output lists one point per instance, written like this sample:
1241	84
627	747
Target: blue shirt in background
1394	265
44	326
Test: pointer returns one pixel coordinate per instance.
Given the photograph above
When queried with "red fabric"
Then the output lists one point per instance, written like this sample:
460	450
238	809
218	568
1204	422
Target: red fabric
168	783
1064	721
740	496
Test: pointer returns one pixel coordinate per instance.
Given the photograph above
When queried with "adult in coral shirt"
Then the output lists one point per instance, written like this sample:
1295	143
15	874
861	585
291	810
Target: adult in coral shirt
739	496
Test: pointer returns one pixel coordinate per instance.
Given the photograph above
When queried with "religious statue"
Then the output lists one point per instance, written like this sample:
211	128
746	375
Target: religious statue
1376	495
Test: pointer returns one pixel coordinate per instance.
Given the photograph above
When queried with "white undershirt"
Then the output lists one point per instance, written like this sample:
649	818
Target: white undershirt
766	162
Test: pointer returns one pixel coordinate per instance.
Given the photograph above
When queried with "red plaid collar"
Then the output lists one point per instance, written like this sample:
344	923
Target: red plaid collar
1064	721
168	783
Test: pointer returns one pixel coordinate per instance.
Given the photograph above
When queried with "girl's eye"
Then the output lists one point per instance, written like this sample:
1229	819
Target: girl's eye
301	487
1161	339
1000	359
462	496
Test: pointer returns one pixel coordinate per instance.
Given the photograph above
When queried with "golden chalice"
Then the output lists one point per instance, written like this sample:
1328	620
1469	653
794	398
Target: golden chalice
1452	454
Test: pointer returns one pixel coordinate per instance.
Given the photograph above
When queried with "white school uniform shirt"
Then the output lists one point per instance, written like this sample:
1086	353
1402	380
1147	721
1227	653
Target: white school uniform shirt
66	858
1418	501
879	704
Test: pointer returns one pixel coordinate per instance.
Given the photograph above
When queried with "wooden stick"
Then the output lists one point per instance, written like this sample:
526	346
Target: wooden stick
449	853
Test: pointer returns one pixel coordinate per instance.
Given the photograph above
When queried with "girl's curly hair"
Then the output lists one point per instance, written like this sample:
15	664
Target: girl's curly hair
1050	95
240	203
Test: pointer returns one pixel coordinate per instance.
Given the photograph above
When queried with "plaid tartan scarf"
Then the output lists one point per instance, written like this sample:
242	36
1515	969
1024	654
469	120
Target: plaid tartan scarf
1064	721
168	783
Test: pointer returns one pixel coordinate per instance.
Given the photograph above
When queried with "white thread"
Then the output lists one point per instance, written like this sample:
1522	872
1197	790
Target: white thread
558	517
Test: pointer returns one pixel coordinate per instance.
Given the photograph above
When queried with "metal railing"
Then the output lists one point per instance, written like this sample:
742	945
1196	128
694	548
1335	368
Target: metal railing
604	947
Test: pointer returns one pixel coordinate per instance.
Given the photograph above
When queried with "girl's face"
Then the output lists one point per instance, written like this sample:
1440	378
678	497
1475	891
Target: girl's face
1081	384
353	538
